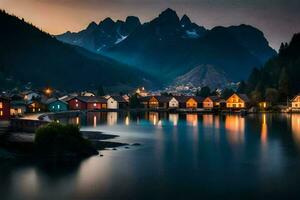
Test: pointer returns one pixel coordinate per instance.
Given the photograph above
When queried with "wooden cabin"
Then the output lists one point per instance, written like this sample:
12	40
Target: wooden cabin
36	106
56	105
173	103
153	102
4	108
212	102
296	103
77	103
18	108
96	103
237	101
117	102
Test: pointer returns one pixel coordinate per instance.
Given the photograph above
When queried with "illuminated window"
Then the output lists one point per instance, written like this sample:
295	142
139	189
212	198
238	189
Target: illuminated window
77	105
58	106
1	105
53	107
76	100
1	113
95	104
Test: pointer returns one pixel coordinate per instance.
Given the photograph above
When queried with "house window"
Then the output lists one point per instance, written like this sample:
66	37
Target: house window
77	105
1	105
95	104
53	107
1	113
58	106
76	100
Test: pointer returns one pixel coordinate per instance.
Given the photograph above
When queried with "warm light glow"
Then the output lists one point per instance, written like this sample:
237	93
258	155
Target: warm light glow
264	130
235	127
295	123
192	119
95	121
1	105
174	119
153	117
208	120
112	118
77	120
126	120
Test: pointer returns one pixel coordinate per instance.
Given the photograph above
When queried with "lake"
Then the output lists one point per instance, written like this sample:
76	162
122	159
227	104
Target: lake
181	156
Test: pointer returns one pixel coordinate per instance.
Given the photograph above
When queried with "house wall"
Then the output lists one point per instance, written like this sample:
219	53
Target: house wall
57	106
153	103
17	110
112	104
173	103
4	110
93	106
75	104
208	103
235	102
296	102
191	103
36	107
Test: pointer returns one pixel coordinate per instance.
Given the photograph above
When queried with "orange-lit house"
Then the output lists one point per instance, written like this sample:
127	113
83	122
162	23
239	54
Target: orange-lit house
212	102
35	106
190	102
4	108
237	101
296	103
153	102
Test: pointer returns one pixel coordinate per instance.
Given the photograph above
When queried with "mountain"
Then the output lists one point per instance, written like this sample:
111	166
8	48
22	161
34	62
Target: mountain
28	54
97	37
203	75
169	46
279	75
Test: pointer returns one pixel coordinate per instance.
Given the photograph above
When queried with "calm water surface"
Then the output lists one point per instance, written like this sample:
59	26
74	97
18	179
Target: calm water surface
184	156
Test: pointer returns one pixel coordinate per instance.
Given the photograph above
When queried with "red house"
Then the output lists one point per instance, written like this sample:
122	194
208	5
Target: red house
77	103
4	108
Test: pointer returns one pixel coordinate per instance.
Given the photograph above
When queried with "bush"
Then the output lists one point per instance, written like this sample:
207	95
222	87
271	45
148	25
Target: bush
60	140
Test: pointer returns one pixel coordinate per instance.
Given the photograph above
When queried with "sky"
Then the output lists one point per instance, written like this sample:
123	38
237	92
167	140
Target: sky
278	19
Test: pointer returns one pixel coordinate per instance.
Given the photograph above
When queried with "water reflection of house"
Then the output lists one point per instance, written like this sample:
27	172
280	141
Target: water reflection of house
237	101
192	119
112	118
173	118
235	127
153	117
208	120
295	123
264	129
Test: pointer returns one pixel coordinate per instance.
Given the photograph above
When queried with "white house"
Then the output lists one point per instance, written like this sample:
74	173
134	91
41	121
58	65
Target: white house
296	102
173	103
116	102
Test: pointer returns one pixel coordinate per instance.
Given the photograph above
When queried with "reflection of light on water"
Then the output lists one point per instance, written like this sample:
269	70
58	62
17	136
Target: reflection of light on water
296	128
126	120
26	181
173	118
192	119
217	122
95	121
77	120
208	120
112	118
235	126
153	117
264	130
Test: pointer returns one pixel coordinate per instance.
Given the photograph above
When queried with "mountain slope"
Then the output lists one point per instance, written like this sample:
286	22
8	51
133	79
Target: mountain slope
30	55
203	75
167	47
280	73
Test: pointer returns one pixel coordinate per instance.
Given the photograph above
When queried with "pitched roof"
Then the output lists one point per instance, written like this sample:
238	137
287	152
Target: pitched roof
244	97
298	95
119	99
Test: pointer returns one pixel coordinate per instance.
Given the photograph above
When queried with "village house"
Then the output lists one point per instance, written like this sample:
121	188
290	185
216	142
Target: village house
56	105
77	103
30	95
18	108
35	106
213	102
117	102
141	92
4	108
173	103
96	103
237	101
296	103
189	102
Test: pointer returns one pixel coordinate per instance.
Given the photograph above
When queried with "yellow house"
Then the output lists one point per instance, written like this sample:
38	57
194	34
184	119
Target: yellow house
211	102
237	101
296	102
153	102
191	103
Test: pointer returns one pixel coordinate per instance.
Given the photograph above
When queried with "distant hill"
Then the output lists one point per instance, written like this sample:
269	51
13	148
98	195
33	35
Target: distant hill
169	46
281	73
28	54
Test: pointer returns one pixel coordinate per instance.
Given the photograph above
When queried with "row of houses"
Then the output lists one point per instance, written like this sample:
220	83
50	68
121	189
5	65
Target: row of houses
12	107
236	101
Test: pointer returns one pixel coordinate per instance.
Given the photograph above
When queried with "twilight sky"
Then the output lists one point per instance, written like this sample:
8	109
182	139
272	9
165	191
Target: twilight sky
278	19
